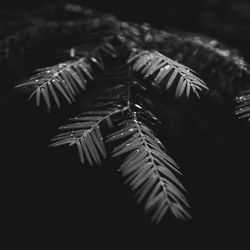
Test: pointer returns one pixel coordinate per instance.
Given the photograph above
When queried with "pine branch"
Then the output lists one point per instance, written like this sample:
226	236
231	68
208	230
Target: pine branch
148	169
84	131
222	67
121	111
165	72
68	79
243	107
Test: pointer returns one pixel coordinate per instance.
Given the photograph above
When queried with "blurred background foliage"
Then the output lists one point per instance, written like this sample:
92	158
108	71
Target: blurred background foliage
228	20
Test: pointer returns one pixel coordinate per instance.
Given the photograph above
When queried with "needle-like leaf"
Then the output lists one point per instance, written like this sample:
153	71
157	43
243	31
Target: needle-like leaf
64	79
165	72
150	173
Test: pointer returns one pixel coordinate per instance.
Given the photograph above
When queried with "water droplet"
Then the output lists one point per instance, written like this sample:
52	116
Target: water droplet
146	26
154	175
124	25
93	59
158	141
72	52
240	98
137	106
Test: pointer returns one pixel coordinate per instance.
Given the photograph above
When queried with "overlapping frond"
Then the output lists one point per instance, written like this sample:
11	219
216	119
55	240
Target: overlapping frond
166	72
243	107
67	79
148	169
84	131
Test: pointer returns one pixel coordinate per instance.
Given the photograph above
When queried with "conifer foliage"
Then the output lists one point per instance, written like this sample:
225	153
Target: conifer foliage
128	65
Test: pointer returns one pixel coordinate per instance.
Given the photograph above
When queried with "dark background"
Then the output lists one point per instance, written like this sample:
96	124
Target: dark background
226	19
50	202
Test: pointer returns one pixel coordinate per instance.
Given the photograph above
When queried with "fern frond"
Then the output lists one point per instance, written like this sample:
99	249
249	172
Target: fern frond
66	79
84	131
148	169
166	72
243	107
